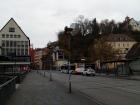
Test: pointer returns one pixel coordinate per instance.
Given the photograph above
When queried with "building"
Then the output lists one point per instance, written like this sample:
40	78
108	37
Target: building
134	55
38	58
135	26
56	55
14	44
13	40
58	58
131	24
32	55
40	55
121	42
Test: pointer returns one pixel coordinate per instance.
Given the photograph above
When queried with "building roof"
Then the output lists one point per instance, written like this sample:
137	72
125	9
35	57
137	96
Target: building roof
119	38
134	52
17	25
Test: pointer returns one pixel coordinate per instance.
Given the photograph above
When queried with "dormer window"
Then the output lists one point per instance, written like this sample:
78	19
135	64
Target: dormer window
11	29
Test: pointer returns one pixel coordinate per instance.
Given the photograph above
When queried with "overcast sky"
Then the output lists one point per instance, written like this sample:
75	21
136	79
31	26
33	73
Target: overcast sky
41	20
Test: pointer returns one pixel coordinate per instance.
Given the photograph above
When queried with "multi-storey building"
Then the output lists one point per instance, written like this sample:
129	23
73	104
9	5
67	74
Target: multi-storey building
38	58
13	40
121	42
32	55
58	58
14	44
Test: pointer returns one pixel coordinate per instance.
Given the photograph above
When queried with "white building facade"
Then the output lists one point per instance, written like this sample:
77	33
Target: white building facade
134	25
13	40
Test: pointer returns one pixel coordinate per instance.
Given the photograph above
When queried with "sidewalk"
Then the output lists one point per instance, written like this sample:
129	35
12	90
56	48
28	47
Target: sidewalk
38	90
133	77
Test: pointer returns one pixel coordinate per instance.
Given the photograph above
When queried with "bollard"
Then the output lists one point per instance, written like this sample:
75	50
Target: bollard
70	87
44	73
50	77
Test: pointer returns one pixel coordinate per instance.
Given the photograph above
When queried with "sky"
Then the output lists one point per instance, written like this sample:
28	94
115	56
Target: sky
41	20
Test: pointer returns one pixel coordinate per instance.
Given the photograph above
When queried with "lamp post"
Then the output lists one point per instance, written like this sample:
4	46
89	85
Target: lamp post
68	32
50	62
83	60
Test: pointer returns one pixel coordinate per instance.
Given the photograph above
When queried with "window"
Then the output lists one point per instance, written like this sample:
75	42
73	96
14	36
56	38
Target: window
11	29
7	35
18	43
22	51
11	43
15	36
3	43
11	36
127	44
26	43
3	51
10	50
18	36
18	52
26	51
3	35
7	51
15	44
7	43
14	50
119	44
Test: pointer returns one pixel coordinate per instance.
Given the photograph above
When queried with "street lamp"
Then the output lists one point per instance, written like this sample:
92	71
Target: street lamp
50	61
83	60
68	32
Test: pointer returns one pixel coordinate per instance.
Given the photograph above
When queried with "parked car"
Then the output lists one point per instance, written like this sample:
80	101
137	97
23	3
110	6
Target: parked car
89	71
78	70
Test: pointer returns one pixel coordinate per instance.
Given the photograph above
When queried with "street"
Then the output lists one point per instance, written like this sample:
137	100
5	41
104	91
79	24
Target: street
103	90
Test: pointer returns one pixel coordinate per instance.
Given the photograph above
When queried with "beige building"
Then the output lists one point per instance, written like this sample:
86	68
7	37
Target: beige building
39	56
121	42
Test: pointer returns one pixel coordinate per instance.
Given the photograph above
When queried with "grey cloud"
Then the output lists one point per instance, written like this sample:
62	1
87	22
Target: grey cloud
42	19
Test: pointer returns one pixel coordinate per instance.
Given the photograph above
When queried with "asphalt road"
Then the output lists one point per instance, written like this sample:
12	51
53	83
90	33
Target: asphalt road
103	90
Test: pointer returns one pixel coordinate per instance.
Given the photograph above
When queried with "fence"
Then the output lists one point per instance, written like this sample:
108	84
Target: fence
7	89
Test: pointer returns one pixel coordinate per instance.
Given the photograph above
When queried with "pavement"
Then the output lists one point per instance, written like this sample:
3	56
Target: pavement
132	77
38	90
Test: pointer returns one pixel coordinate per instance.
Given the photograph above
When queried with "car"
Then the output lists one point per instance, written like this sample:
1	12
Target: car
79	70
89	71
66	71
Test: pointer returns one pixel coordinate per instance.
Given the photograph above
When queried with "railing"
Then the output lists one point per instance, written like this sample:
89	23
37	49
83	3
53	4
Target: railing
6	90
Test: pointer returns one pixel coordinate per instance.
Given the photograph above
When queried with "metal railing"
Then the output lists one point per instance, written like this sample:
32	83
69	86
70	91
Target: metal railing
6	90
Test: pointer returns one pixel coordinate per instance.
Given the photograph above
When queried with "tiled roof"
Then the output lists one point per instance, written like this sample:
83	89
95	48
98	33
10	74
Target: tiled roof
118	38
134	52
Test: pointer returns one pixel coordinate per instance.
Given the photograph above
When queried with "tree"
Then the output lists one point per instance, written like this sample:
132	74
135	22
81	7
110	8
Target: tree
101	50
